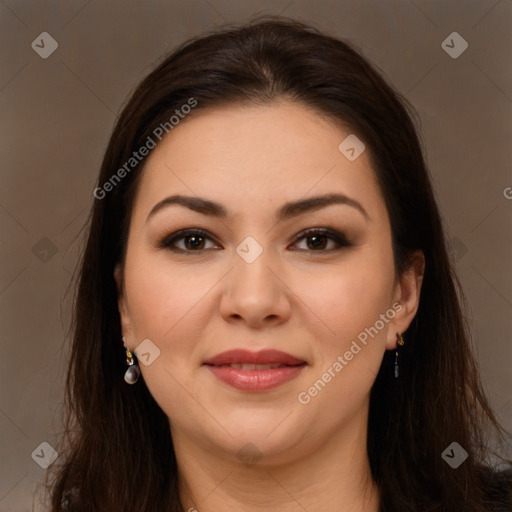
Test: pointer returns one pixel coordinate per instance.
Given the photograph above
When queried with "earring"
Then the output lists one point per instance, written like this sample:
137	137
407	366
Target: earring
399	342
131	375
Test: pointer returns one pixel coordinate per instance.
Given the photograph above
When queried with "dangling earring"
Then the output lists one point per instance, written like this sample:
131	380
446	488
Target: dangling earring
399	342
131	375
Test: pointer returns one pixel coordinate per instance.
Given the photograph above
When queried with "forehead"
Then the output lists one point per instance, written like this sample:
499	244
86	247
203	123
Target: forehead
249	153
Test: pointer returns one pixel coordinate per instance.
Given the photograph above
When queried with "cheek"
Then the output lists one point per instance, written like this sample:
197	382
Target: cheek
356	307
160	296
351	297
166	305
173	305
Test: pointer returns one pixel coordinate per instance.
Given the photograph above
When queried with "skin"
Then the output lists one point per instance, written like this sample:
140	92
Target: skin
311	304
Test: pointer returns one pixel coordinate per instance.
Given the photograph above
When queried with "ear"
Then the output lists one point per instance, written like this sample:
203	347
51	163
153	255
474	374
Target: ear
406	297
126	327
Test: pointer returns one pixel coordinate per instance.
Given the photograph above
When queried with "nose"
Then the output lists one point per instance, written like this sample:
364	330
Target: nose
255	293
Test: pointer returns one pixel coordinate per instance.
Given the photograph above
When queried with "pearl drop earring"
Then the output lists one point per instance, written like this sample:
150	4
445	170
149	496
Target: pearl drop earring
132	374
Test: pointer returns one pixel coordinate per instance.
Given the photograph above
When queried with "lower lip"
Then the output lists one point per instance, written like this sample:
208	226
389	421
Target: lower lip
255	380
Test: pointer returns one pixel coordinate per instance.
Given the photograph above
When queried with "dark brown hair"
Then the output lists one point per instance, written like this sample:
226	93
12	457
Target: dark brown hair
117	454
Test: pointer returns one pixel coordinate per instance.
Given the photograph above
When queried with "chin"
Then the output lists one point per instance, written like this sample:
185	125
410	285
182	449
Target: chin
269	435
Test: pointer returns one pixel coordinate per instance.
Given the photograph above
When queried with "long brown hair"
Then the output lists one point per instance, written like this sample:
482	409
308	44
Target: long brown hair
117	454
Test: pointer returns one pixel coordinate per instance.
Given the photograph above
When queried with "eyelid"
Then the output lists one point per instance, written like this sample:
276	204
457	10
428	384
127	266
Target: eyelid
331	233
167	241
338	237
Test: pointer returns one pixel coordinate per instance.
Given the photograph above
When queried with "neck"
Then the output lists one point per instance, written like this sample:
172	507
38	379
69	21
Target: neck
335	475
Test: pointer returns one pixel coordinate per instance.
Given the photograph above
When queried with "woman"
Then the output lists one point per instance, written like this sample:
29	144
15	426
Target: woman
266	267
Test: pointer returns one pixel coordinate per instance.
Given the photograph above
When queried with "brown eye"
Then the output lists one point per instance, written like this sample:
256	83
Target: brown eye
193	241
196	240
317	240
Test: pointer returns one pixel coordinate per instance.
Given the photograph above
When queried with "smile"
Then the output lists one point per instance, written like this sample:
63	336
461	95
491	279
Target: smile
255	371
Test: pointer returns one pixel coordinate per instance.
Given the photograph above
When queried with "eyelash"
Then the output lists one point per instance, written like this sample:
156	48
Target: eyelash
331	234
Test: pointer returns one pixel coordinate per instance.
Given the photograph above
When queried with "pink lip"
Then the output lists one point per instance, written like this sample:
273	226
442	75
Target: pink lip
241	355
255	380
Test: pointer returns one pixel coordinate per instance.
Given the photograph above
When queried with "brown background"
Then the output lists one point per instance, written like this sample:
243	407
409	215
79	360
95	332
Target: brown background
57	114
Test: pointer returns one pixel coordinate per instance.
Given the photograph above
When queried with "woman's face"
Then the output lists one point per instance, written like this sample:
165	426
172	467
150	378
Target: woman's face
329	300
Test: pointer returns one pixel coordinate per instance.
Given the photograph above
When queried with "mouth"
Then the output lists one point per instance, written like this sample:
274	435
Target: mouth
260	358
255	371
250	366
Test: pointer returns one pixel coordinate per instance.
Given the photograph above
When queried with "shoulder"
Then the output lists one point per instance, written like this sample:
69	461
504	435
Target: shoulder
497	487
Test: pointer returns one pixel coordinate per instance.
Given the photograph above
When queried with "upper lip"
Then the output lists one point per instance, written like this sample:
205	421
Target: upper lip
243	356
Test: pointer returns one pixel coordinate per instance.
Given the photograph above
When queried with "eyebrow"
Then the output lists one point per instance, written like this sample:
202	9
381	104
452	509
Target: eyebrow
287	211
